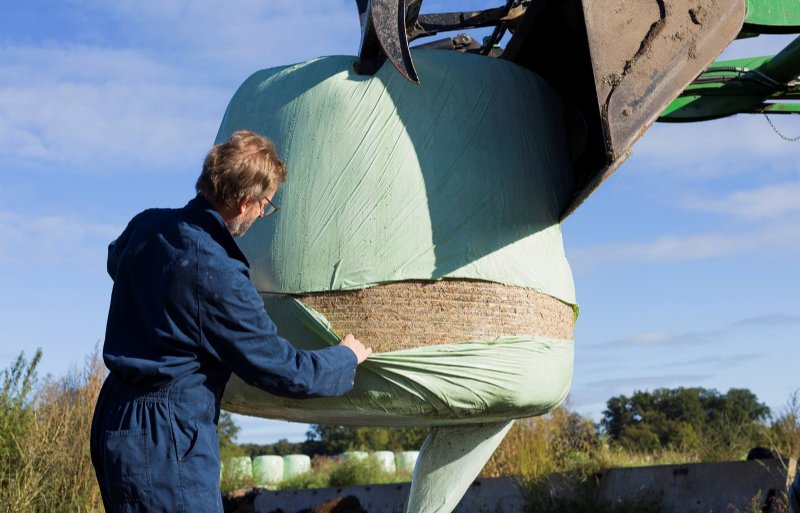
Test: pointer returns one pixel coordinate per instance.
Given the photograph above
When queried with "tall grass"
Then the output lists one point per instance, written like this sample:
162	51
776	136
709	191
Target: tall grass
44	439
784	433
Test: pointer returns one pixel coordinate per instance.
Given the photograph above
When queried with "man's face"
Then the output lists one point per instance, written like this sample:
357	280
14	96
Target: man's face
250	211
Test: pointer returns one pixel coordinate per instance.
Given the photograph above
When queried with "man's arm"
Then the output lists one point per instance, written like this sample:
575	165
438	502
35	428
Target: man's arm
239	332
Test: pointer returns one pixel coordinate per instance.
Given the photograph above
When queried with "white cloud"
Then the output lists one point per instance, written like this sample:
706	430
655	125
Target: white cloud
659	338
244	35
769	320
767	202
23	65
157	103
96	111
744	144
27	242
713	361
782	237
694	338
648	382
735	145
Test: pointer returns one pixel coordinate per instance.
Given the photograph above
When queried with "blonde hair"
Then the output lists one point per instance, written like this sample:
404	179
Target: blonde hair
246	166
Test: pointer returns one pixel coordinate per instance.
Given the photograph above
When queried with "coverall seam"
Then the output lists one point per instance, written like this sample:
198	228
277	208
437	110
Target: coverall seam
197	293
182	506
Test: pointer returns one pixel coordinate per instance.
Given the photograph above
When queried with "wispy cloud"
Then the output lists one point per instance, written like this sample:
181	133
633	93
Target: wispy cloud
52	240
647	382
698	337
769	320
732	146
782	237
240	37
715	361
661	339
766	202
151	96
120	112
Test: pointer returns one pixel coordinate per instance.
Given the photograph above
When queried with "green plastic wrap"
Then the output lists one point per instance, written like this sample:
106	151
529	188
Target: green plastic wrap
463	176
449	461
460	383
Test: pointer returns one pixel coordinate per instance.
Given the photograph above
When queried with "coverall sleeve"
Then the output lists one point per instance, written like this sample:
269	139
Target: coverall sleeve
114	251
239	332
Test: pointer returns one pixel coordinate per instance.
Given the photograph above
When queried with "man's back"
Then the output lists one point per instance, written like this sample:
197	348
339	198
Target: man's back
153	332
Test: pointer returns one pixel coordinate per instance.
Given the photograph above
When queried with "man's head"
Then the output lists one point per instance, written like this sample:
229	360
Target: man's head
239	176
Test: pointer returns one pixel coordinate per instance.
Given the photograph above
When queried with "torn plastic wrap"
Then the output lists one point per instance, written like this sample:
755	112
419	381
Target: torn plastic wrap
461	383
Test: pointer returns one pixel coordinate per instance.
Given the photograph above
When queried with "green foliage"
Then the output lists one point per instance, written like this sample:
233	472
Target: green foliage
329	440
227	431
230	479
280	448
359	472
639	438
44	439
16	412
718	426
784	433
306	481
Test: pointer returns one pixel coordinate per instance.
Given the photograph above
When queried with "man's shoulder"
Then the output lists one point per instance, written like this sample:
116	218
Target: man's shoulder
151	217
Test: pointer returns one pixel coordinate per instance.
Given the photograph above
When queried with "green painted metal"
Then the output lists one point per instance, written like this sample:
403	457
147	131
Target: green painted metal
780	108
773	16
740	86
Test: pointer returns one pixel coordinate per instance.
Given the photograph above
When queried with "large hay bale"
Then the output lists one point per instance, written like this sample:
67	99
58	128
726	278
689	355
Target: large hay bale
410	314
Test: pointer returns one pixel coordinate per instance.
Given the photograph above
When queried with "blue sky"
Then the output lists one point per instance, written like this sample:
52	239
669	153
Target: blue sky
684	261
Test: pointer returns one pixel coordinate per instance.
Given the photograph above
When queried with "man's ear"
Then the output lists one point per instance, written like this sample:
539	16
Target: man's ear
243	204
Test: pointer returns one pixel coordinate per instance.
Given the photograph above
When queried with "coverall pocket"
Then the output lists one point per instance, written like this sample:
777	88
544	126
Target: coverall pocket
186	436
126	461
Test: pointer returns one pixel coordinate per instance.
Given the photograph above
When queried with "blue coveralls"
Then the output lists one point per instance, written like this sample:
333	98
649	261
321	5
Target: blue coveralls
183	316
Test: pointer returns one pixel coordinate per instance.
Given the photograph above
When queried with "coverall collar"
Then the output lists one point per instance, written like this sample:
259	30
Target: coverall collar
211	221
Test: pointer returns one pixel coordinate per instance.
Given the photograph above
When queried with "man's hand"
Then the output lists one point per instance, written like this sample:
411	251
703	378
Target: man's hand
362	352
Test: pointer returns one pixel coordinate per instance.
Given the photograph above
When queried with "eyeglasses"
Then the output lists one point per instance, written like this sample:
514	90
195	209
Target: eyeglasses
269	208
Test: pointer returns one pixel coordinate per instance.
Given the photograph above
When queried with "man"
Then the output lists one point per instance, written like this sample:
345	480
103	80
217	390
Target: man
183	316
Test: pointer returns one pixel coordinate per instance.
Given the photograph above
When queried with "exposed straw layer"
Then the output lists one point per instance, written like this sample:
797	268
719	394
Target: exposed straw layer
410	314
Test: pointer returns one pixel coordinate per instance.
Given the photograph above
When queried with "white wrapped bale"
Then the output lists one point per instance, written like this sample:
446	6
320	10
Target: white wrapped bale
406	460
355	456
385	460
240	468
295	465
268	470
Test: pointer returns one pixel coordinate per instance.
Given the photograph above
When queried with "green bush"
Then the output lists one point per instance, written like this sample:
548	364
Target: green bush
44	439
359	472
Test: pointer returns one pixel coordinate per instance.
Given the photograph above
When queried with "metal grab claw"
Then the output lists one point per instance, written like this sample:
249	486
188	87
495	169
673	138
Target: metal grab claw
383	35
